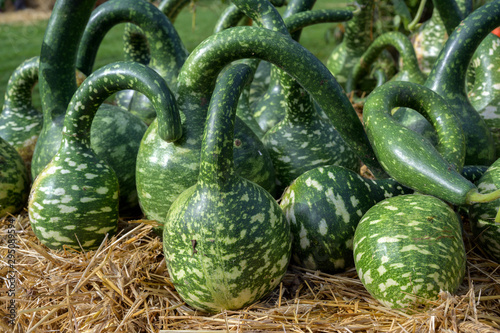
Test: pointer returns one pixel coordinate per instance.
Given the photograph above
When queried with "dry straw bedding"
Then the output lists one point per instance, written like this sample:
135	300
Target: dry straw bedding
124	287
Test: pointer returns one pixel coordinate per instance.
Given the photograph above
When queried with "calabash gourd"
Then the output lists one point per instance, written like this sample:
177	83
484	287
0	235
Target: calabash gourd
323	207
407	156
485	217
226	240
14	180
409	248
74	201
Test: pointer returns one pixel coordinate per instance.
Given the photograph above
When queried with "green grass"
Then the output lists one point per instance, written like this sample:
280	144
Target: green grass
23	41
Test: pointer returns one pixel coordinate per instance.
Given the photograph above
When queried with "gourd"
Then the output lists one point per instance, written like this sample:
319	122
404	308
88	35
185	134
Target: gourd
167	52
412	160
409	248
357	38
20	122
323	207
226	241
448	78
14	180
485	217
116	133
195	86
74	201
409	70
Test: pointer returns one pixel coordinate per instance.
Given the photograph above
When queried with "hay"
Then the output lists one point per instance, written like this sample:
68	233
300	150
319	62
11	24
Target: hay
124	287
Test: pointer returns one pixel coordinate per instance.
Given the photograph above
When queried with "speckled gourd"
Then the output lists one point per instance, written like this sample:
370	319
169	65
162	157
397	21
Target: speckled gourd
409	248
74	200
14	180
448	79
115	134
323	207
162	169
407	156
485	217
167	53
226	241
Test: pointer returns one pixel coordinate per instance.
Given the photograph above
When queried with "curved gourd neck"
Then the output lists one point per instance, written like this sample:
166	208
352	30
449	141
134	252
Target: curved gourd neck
297	6
358	31
19	88
448	75
229	18
172	8
403	45
58	55
217	166
449	13
167	51
110	79
197	77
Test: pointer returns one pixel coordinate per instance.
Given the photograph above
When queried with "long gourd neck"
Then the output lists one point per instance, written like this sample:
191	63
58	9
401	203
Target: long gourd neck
450	13
197	77
19	88
58	55
172	8
216	165
167	50
110	79
448	75
358	31
297	6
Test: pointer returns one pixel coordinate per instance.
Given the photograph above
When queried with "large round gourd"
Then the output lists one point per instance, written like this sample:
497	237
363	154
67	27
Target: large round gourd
409	248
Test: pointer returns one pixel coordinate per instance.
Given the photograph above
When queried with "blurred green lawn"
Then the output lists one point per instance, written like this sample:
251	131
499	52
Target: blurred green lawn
21	41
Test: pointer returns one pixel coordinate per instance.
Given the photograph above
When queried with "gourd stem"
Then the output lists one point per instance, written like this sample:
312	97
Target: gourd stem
167	50
197	77
58	56
475	197
409	70
450	13
414	24
216	165
115	77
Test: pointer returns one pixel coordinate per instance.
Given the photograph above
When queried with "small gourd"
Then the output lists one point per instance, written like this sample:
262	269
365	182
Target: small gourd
226	241
409	248
485	217
323	207
74	200
14	180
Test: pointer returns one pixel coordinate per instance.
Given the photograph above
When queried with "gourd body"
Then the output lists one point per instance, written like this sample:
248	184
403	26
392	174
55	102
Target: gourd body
485	229
14	180
323	207
409	248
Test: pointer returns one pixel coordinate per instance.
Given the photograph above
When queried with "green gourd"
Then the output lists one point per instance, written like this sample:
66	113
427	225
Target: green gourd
14	180
485	217
20	122
407	156
409	248
226	241
74	201
162	169
323	207
448	79
408	71
116	133
167	52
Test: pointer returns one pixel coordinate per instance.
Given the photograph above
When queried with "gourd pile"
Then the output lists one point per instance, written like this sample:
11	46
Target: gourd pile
247	151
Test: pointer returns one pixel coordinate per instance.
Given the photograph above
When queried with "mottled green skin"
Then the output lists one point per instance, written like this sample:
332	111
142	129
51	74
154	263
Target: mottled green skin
484	95
323	207
303	140
226	240
14	180
408	71
20	122
409	248
448	79
57	82
74	201
482	216
272	106
167	52
404	154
